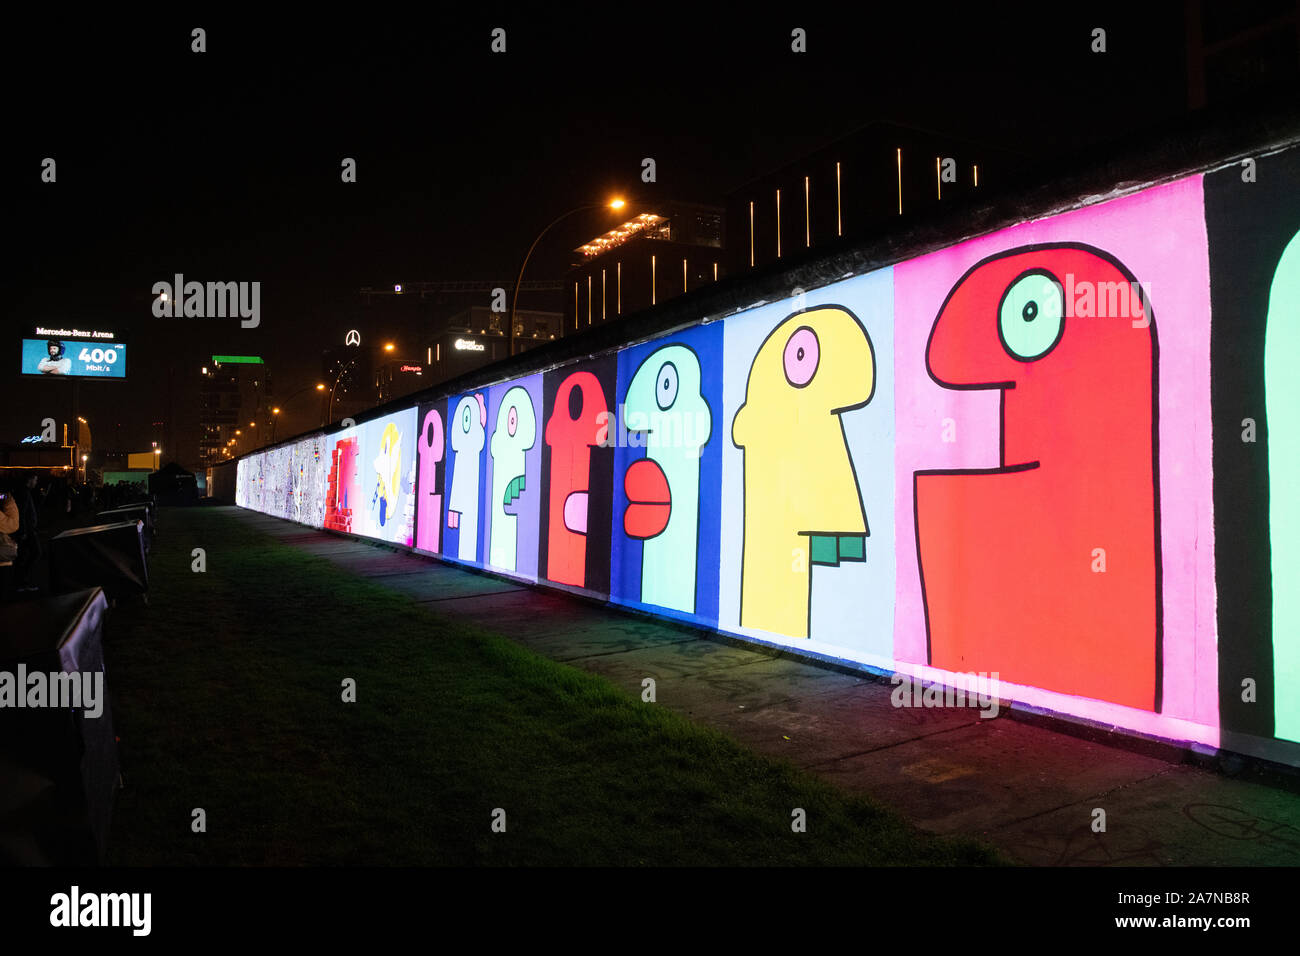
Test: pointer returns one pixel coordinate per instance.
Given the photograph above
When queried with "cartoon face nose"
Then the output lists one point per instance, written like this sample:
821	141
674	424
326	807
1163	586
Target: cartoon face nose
649	499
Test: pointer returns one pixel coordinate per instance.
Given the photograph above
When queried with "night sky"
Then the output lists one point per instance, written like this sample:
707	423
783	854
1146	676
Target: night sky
225	165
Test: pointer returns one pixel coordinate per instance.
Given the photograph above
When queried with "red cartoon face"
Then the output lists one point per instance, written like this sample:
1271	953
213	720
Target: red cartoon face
577	424
1045	569
1065	331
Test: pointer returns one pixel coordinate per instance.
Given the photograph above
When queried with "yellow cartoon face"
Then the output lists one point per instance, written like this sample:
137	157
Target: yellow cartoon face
388	469
802	504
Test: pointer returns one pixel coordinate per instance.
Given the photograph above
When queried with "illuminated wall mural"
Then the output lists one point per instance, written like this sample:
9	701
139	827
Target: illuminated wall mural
1255	343
514	477
577	468
466	437
344	485
667	447
388	453
1063	453
808	471
1282	398
801	499
429	450
1060	536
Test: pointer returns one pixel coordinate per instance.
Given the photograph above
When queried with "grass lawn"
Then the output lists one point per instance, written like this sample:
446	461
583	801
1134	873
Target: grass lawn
227	690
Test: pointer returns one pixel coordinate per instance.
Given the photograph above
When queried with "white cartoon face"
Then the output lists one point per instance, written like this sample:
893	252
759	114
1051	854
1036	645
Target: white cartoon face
467	437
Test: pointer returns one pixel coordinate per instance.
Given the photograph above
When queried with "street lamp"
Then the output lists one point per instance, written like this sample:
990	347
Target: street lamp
329	414
614	204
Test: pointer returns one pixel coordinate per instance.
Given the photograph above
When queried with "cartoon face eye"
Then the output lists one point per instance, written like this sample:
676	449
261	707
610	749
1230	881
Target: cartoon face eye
1031	316
666	386
464	420
802	353
512	421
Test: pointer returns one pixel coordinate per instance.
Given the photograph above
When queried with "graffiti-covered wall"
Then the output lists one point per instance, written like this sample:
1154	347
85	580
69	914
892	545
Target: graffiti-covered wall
1063	454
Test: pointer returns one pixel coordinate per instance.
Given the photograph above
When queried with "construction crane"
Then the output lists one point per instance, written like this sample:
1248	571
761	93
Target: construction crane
462	285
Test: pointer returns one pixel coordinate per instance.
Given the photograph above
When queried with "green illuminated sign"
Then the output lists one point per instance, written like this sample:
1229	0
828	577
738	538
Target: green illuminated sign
237	360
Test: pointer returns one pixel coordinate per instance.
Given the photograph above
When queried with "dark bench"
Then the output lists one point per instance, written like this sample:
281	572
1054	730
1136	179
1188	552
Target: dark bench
110	556
58	766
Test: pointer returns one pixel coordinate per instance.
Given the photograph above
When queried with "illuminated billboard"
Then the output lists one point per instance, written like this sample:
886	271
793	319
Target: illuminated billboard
73	353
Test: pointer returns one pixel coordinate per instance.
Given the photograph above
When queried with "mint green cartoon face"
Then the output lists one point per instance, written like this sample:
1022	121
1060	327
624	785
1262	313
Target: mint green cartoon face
665	410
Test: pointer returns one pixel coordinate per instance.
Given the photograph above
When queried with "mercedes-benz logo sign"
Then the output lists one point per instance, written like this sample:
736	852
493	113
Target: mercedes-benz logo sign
352	338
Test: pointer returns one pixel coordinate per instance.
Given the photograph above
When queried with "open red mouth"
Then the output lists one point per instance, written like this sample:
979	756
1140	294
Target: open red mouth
649	502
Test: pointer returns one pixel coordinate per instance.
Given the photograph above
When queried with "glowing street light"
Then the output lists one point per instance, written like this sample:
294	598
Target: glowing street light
389	346
614	204
320	386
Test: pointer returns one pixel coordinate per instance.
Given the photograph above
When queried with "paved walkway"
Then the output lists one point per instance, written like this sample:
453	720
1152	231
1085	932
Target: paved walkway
1027	789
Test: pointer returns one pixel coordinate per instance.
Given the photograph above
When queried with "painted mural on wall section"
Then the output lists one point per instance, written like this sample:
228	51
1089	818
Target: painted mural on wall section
1062	453
1046	567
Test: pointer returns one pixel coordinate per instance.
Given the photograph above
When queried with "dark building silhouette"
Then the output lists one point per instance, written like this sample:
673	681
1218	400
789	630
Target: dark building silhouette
662	250
855	186
439	330
234	390
1234	49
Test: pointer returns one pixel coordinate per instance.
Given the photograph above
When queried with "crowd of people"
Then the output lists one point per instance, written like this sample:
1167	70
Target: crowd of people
33	499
